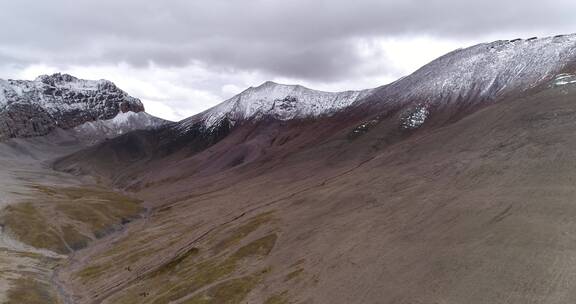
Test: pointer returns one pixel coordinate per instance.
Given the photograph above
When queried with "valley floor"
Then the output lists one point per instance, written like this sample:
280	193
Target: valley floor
46	215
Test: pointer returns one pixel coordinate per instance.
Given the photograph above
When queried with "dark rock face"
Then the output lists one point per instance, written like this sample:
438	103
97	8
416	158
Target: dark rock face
34	108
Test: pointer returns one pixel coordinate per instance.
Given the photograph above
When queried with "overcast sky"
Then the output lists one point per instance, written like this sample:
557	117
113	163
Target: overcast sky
183	56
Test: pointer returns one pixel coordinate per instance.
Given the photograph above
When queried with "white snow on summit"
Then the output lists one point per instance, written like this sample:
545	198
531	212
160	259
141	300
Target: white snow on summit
60	92
283	102
486	71
35	108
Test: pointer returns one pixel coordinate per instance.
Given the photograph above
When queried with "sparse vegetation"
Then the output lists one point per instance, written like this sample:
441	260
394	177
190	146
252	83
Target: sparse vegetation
211	271
30	291
241	232
280	298
74	239
294	274
198	269
228	292
27	223
173	264
83	214
92	271
259	247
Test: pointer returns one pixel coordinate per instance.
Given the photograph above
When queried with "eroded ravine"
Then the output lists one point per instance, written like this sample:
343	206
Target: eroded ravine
45	216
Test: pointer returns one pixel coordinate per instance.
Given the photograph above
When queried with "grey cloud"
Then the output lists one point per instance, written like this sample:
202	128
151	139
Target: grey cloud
299	38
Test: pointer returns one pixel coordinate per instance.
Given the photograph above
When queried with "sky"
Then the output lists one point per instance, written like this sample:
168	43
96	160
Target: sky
181	57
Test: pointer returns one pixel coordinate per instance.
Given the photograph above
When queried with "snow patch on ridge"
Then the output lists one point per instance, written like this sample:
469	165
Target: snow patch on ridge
415	119
564	79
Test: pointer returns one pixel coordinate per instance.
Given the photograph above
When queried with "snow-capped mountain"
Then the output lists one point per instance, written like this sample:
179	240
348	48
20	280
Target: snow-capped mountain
34	108
485	72
475	75
279	101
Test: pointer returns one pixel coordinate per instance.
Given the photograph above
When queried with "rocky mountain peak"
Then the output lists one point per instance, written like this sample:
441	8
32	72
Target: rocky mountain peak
278	101
56	78
34	108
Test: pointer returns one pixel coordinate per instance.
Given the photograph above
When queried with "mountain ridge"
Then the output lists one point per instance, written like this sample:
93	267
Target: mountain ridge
440	93
278	101
35	108
485	72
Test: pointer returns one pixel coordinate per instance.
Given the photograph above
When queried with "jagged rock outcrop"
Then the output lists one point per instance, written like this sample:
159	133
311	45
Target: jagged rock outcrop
34	108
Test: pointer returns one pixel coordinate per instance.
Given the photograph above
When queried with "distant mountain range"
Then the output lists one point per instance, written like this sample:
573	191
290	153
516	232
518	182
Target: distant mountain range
483	73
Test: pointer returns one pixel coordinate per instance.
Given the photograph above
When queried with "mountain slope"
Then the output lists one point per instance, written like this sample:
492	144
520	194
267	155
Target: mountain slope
450	216
465	80
451	185
34	108
441	92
